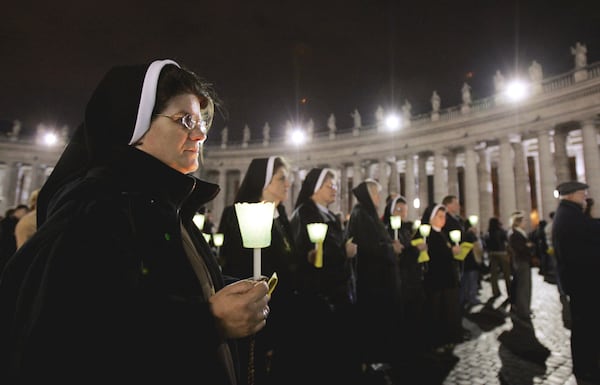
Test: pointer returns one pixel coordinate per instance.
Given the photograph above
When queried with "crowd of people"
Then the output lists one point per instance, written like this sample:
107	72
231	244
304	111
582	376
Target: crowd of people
116	273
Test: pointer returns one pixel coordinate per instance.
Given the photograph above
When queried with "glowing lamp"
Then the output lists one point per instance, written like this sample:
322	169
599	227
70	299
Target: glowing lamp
218	239
255	221
317	233
206	237
416	224
473	220
395	223
199	221
424	230
455	236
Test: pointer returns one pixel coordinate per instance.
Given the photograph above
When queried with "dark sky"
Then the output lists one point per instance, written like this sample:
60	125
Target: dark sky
263	56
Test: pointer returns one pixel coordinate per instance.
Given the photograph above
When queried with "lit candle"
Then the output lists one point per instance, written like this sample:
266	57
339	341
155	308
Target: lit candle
396	223
424	230
473	220
206	237
455	236
317	233
218	241
199	221
255	221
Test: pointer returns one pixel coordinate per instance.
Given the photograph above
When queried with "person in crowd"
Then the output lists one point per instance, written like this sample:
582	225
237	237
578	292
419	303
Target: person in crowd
209	225
520	249
441	282
412	293
8	239
117	283
27	225
469	284
576	242
327	341
378	282
267	179
496	241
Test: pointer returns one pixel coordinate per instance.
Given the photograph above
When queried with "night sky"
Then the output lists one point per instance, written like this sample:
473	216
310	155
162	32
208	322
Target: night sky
264	57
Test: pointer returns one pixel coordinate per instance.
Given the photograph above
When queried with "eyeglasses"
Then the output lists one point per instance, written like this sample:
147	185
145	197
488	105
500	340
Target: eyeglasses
332	186
188	121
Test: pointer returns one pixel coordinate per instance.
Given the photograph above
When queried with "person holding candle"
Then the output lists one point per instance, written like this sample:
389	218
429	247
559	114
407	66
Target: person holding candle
117	283
412	294
441	281
267	179
327	291
378	279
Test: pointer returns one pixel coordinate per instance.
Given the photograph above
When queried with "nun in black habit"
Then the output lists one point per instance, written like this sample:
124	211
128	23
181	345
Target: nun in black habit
378	281
441	281
118	285
326	340
266	180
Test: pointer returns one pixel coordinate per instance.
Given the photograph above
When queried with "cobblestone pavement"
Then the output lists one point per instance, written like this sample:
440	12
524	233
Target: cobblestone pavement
505	350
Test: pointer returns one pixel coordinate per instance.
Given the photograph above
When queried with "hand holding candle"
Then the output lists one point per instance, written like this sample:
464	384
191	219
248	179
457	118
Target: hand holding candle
455	236
395	223
424	230
317	233
255	220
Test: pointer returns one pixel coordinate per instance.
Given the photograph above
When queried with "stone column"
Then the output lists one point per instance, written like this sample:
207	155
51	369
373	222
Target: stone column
547	175
522	187
561	160
591	160
10	184
384	181
471	184
440	183
452	173
343	189
410	193
486	210
394	177
506	181
220	200
423	181
357	177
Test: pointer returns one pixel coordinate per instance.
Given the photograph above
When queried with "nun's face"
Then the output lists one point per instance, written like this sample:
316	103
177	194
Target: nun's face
277	190
170	141
400	209
327	193
439	219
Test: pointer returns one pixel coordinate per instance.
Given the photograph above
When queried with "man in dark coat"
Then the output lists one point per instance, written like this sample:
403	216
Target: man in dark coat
576	242
378	282
117	284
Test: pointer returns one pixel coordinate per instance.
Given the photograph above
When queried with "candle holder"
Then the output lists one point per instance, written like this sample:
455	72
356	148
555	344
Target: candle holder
395	223
455	236
218	241
255	221
424	230
199	220
207	237
473	220
317	233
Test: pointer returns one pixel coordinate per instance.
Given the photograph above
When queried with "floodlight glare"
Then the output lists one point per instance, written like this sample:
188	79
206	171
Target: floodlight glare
516	91
392	122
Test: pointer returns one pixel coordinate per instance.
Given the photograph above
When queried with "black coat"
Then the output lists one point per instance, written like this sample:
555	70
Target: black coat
104	290
442	271
576	242
332	282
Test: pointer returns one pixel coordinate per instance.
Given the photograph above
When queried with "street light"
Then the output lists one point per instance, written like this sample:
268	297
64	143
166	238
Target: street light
392	122
516	90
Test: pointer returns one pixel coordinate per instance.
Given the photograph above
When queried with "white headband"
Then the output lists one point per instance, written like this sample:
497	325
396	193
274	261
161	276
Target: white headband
393	206
321	178
434	211
148	98
269	174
